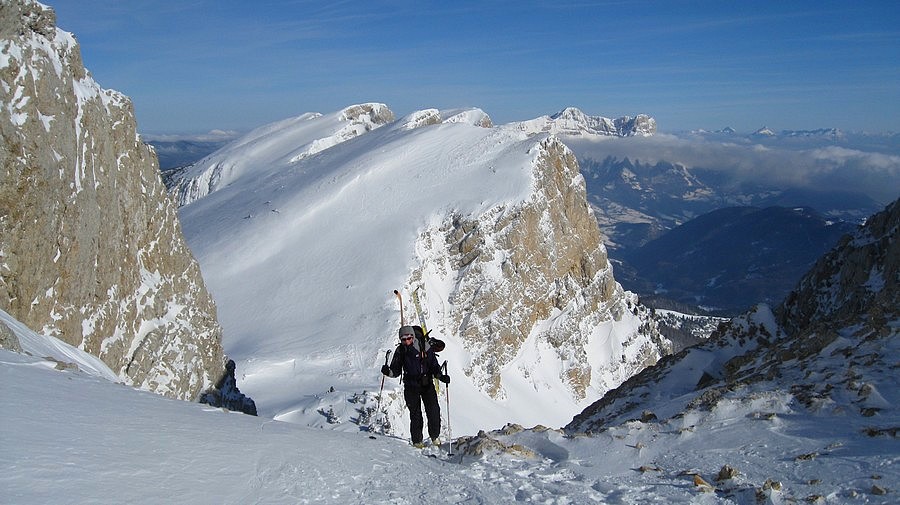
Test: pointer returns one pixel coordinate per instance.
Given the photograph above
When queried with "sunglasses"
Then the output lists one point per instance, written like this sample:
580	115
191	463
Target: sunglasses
406	337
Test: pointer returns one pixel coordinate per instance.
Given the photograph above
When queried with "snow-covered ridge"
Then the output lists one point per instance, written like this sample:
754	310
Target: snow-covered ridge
287	141
490	223
572	121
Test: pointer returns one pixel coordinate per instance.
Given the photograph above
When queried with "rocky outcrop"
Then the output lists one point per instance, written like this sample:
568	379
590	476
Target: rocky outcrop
428	117
226	394
829	343
91	250
859	277
516	267
8	339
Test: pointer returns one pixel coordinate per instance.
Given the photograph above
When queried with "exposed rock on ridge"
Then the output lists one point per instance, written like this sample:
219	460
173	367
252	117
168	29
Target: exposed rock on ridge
860	277
91	250
544	260
830	344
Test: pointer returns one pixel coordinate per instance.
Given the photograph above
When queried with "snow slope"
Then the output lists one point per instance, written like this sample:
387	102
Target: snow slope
77	438
54	349
286	141
302	255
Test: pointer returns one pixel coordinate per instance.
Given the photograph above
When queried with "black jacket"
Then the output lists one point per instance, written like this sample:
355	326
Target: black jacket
416	365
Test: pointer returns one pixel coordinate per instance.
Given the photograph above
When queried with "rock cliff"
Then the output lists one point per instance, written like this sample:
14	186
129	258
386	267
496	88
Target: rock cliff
91	250
514	269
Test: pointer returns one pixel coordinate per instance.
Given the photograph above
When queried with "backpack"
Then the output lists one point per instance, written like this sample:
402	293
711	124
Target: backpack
426	342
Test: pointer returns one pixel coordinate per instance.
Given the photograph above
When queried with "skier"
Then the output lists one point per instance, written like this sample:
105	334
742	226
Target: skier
415	359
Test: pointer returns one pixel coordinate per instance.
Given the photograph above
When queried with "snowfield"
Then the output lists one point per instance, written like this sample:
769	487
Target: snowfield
302	254
75	437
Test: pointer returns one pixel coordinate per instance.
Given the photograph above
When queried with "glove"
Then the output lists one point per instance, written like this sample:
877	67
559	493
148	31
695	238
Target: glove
444	378
386	370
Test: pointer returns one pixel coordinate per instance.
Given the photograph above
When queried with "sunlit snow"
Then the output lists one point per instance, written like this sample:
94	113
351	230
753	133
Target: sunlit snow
72	436
302	255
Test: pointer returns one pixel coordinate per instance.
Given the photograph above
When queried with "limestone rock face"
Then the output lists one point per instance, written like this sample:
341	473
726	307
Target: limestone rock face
8	339
543	260
91	250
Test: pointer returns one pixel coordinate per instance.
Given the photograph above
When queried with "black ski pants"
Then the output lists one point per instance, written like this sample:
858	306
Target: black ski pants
418	391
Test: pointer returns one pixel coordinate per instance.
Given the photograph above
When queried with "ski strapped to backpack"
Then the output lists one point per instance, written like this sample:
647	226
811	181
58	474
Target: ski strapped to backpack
422	335
400	301
419	313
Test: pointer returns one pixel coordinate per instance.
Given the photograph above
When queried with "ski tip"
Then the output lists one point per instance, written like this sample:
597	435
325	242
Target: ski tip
396	292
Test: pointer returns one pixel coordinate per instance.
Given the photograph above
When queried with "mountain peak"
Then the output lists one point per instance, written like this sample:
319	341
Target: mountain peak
574	122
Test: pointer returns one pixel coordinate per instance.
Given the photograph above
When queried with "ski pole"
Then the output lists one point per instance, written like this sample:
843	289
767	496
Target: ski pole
449	431
387	355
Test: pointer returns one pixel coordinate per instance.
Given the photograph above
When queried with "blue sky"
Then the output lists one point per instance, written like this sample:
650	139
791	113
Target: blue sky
191	66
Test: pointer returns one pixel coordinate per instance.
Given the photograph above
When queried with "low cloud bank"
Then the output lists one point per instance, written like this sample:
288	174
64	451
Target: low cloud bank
210	136
857	165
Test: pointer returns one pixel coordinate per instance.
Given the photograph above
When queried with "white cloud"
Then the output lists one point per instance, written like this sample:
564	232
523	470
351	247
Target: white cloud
806	163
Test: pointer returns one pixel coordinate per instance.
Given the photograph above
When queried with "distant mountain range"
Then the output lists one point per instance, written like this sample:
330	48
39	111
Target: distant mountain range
701	237
637	201
180	153
835	134
829	133
731	258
